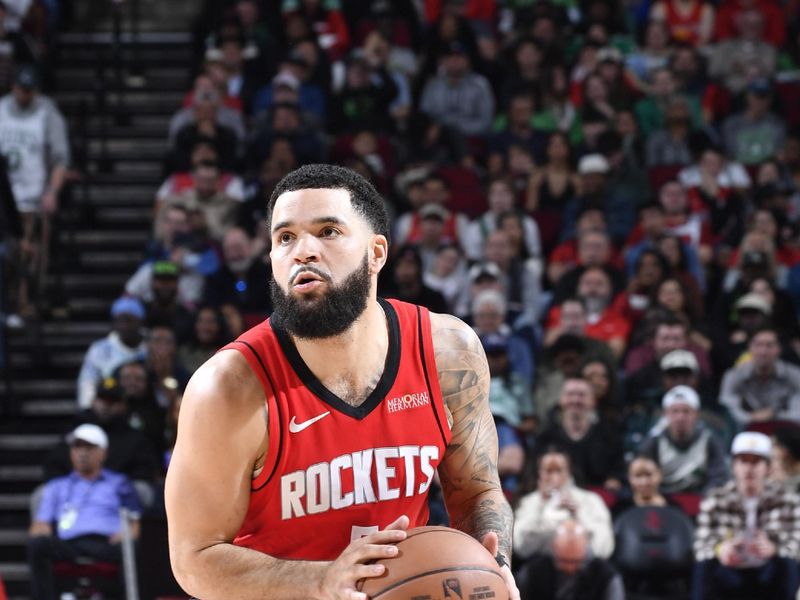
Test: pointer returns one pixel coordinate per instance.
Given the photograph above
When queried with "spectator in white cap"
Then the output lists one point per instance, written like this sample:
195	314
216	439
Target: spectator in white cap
764	388
680	367
619	212
691	458
79	514
747	540
124	344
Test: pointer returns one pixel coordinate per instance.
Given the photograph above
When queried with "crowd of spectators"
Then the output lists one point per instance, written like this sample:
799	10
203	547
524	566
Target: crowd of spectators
607	191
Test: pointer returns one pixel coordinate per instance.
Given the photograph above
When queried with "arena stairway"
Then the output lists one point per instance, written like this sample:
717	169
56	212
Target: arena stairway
104	227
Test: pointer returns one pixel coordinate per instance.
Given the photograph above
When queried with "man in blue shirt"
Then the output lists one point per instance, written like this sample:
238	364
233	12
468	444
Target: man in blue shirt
78	515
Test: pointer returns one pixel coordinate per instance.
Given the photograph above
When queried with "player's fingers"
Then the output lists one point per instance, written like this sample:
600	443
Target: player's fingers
372	552
351	594
365	571
387	536
513	590
491	543
402	522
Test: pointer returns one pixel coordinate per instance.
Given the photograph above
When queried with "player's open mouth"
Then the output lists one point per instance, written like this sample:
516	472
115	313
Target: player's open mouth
307	281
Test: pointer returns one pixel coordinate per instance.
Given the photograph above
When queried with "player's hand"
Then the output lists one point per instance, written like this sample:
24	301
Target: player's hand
340	578
492	544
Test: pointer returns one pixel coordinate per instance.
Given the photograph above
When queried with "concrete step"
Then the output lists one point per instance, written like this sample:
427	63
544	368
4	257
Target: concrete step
147	38
96	329
90	308
14	572
96	121
21	473
39	389
28	442
131	102
106	239
13	537
176	56
155	78
119	146
134	218
119	195
62	360
49	408
149	175
112	259
139	169
14	501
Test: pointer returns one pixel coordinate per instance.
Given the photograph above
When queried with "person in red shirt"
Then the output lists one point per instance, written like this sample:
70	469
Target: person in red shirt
689	21
774	21
306	448
602	322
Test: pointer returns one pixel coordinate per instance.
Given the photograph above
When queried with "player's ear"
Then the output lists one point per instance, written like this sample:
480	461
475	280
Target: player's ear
378	254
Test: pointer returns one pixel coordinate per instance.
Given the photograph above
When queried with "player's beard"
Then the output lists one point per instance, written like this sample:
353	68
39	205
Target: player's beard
327	314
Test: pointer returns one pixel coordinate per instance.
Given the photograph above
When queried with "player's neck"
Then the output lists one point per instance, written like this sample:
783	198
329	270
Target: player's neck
355	354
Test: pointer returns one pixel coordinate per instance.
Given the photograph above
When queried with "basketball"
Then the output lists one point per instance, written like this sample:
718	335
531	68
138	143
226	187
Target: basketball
438	563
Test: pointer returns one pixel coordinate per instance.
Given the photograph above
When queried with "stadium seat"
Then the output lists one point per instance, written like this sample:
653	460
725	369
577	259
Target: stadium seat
654	552
85	577
466	191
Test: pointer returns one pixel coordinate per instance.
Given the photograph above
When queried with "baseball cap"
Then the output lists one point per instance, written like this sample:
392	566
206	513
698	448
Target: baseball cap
754	301
432	210
128	305
752	442
681	394
610	54
754	258
568	342
454	47
27	77
109	389
593	163
286	79
487	269
93	434
165	269
760	87
494	342
295	57
679	359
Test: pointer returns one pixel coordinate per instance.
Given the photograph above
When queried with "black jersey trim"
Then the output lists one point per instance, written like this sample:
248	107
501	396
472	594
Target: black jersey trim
385	383
427	376
278	408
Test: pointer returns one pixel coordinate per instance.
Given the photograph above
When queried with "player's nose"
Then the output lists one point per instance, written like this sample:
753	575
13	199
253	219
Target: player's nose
306	249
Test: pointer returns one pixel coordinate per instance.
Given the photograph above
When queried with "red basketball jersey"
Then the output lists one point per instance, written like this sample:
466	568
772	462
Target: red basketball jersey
335	472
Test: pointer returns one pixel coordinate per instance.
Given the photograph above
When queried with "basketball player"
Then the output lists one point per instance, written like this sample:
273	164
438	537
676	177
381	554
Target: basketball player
306	448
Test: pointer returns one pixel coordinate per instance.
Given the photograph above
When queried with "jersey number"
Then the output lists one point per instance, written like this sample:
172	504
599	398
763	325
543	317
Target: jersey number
357	532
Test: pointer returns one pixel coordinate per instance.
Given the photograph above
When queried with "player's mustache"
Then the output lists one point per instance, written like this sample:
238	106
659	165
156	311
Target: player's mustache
308	269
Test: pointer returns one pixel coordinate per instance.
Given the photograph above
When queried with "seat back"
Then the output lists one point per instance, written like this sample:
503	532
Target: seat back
653	540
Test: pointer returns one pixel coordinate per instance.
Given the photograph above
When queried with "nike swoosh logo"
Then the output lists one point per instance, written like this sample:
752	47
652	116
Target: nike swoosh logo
295	427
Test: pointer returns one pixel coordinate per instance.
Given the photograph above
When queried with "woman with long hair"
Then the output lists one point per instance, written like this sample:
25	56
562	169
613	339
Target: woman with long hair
551	187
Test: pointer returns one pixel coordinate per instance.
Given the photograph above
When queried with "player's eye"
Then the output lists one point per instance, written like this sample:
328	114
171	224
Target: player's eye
329	232
284	238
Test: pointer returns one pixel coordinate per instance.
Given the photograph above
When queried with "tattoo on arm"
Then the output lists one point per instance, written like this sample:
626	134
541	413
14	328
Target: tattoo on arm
468	472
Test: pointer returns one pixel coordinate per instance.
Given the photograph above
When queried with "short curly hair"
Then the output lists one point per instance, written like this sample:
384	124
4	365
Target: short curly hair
364	198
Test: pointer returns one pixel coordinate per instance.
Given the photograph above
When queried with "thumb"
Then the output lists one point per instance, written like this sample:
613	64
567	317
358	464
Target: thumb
491	543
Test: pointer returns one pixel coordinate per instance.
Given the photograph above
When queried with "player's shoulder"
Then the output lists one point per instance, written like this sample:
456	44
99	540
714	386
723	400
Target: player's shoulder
224	380
450	333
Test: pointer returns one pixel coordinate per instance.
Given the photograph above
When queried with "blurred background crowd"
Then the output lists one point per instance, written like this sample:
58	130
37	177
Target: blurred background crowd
607	191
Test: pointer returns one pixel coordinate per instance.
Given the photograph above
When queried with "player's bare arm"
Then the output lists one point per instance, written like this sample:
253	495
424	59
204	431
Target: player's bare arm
468	471
220	447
